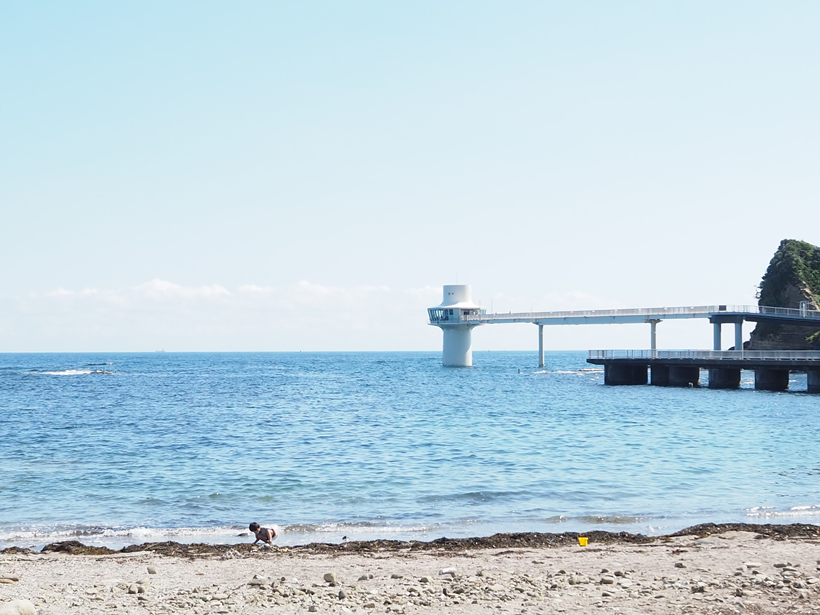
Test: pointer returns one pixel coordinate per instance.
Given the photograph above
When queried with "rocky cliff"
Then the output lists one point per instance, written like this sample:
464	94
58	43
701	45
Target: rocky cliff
793	276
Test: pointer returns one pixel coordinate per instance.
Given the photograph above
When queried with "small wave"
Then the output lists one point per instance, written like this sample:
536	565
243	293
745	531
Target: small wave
68	372
610	519
794	511
119	536
361	527
596	519
471	496
574	372
76	372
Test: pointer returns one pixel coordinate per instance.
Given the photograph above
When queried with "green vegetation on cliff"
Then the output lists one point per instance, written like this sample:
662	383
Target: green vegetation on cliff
793	276
795	266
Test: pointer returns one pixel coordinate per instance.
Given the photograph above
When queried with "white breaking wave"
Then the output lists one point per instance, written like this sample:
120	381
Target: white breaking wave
358	528
118	538
576	372
68	372
794	511
76	372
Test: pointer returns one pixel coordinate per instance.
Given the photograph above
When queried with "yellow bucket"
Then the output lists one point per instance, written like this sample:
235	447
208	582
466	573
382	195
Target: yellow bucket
582	540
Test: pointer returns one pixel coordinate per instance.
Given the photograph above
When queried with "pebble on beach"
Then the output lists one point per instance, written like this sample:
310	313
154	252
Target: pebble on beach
17	607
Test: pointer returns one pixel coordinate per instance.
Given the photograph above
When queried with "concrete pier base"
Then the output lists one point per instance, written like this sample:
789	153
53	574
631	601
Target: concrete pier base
813	381
683	376
771	379
724	378
660	375
618	374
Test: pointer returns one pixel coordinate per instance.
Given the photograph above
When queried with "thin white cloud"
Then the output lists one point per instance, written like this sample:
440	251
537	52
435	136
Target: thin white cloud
61	292
162	289
164	314
253	288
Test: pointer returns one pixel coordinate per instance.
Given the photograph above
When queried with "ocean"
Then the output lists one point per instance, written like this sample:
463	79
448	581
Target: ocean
118	448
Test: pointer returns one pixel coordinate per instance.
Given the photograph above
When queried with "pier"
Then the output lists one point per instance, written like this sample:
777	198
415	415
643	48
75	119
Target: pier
682	368
457	316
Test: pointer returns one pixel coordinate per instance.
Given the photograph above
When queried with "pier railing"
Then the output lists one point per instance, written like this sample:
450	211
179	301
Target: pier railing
712	355
790	312
704	311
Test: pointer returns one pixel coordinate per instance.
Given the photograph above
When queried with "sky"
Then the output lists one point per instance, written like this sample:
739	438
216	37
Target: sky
271	176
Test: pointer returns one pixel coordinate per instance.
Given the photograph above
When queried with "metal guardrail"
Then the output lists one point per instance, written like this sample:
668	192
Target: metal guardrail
704	310
714	355
791	312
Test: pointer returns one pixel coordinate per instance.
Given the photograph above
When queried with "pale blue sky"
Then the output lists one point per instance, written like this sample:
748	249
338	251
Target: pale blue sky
225	176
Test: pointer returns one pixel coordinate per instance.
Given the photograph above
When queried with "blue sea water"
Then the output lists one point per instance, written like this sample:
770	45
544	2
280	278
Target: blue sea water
117	449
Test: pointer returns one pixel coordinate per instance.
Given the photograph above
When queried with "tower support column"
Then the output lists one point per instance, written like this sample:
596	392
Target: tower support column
716	341
540	345
458	346
739	335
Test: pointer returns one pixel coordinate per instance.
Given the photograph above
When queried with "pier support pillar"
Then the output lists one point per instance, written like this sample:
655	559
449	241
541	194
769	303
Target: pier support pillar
739	335
683	376
619	373
540	345
813	381
771	379
716	341
724	378
653	334
660	375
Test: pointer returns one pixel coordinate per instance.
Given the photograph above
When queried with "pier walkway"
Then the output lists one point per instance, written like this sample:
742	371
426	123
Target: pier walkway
756	313
717	314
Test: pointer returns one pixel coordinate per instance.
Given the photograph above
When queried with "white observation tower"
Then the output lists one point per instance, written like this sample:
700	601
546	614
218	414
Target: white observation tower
450	316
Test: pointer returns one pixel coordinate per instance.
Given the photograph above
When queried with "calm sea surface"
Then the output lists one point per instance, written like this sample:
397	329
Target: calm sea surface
125	448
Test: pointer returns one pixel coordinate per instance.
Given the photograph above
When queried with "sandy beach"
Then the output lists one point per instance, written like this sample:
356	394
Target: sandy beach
722	571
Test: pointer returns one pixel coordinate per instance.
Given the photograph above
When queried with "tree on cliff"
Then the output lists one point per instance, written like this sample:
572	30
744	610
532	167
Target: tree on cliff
793	276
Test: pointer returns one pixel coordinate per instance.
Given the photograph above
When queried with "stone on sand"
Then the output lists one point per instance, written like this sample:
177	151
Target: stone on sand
17	607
